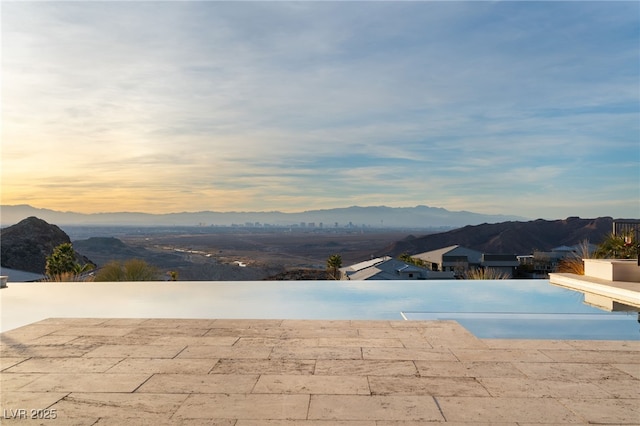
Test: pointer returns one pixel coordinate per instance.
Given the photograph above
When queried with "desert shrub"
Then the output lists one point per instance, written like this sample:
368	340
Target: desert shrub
571	265
486	274
130	270
574	263
68	277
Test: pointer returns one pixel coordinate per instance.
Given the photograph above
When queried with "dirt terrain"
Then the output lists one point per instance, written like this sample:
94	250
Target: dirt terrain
284	249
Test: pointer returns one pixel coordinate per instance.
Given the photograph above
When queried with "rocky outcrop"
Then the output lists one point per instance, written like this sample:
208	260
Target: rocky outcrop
26	245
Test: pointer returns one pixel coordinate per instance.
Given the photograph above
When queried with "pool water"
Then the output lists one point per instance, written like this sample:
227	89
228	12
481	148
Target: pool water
489	309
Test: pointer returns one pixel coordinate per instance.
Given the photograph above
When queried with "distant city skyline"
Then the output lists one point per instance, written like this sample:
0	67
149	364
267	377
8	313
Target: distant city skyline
515	108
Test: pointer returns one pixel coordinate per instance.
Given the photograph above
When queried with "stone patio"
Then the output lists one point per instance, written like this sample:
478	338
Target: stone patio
308	372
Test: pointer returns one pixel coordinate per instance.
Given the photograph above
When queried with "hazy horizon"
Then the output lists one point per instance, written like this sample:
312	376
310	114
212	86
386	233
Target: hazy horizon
240	211
514	108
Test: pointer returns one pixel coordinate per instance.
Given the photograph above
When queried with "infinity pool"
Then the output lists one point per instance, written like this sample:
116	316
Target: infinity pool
489	309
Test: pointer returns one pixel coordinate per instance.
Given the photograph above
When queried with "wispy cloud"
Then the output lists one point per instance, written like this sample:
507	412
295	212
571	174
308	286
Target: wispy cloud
510	107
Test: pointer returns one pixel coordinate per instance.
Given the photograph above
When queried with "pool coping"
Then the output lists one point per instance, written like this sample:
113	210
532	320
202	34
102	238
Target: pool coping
598	290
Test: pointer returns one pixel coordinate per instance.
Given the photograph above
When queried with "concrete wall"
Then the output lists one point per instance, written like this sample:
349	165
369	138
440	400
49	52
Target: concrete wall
612	269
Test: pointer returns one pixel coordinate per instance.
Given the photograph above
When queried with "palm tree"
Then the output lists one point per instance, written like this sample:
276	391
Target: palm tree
617	247
62	260
334	263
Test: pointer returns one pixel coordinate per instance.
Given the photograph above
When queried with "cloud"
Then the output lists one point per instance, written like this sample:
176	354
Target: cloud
448	104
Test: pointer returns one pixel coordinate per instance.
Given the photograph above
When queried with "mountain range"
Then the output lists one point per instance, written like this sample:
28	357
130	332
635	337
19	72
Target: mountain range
509	237
373	216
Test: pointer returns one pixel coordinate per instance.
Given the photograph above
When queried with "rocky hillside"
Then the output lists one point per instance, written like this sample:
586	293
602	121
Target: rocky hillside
509	237
26	245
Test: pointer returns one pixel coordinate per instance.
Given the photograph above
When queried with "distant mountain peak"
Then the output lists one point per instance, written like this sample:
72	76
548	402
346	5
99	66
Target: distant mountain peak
371	216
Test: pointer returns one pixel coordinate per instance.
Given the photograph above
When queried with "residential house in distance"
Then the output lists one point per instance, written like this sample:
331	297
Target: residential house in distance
541	263
457	260
388	268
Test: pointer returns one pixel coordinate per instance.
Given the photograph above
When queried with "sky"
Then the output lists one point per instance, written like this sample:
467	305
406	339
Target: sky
519	108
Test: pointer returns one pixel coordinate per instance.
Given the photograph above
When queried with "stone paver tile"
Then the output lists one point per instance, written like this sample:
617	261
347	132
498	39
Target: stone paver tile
199	383
174	331
410	423
390	333
370	324
93	331
467	369
71	321
52	339
308	384
29	400
527	344
480	409
360	407
211	352
532	388
606	345
113	340
245	332
242	422
6	363
437	386
179	323
130	406
88	421
264	366
86	382
315	352
520	424
606	411
596	356
196	341
308	333
631	369
492	369
266	341
64	365
112	421
244	406
428	324
28	333
163	365
336	367
294	323
124	322
417	342
504	355
457	338
570	371
621	388
43	351
247	323
359	342
410	354
136	351
15	381
453	342
442	369
194	322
